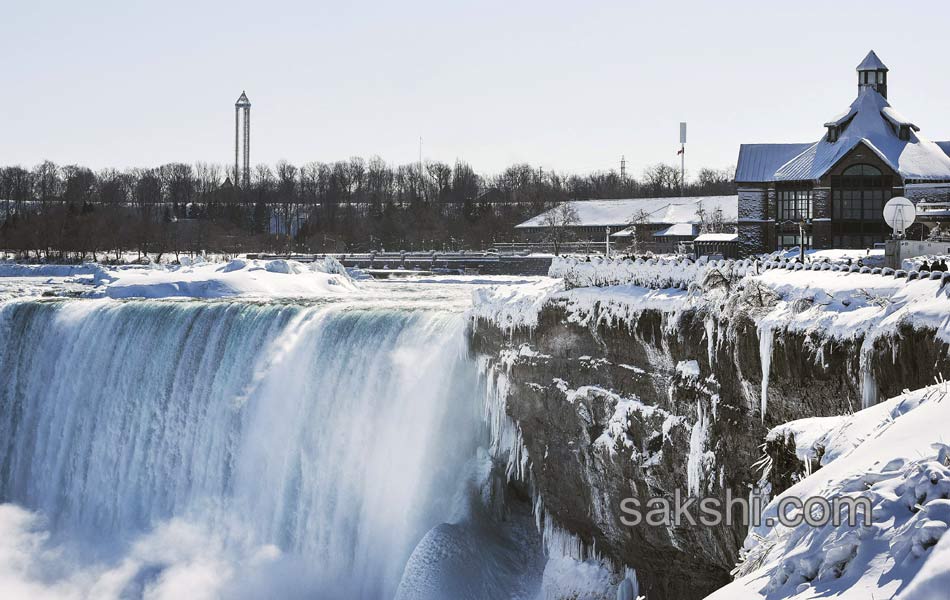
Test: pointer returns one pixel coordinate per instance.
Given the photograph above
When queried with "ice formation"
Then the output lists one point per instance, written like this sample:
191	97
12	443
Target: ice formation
698	460
766	341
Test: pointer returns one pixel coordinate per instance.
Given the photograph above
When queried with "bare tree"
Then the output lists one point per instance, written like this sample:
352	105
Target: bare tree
636	222
558	222
662	179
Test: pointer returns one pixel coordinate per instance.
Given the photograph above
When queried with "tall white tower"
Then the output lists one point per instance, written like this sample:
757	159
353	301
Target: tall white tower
242	171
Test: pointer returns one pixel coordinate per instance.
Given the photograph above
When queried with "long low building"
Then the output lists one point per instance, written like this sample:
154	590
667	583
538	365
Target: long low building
657	224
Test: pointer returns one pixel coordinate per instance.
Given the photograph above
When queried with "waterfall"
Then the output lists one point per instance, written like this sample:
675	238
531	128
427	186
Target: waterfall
326	438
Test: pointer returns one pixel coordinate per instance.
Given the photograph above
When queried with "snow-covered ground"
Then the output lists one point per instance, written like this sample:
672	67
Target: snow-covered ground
200	279
840	303
251	279
835	255
846	304
238	277
895	454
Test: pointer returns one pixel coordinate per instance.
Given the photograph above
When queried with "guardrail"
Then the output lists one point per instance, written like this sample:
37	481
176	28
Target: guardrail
661	273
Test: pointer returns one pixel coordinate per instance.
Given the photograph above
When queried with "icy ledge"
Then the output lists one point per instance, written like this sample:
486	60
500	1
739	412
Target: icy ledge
894	454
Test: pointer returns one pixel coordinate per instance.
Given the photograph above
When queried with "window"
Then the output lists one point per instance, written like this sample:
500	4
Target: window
857	241
859	193
794	205
790	241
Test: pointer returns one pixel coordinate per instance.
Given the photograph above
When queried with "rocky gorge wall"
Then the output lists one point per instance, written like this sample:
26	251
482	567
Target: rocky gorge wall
671	400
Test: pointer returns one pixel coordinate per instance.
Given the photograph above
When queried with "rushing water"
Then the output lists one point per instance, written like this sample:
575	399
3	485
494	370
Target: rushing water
173	448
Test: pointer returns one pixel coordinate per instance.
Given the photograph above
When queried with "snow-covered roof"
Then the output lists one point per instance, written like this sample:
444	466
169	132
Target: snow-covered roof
841	119
717	237
623	212
871	121
678	230
896	118
758	162
945	146
871	62
915	158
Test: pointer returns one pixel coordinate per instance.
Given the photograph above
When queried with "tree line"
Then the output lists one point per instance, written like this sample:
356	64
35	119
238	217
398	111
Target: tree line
59	212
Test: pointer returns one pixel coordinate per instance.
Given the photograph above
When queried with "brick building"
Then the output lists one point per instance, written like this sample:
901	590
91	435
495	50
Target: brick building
830	193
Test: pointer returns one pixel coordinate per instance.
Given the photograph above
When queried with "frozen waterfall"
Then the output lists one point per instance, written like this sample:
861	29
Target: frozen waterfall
229	447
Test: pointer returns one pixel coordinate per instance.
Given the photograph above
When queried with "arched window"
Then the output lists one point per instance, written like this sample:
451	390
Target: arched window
859	193
862	170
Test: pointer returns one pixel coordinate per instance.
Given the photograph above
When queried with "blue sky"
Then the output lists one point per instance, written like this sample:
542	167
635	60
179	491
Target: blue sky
564	85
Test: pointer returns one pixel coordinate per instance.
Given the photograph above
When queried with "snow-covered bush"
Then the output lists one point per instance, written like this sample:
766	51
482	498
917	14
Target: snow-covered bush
655	273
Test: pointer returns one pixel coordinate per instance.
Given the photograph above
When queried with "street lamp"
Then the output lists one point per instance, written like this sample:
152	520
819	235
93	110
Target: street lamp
804	225
607	254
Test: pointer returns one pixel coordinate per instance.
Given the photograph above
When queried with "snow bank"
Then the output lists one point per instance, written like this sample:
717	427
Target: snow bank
97	271
915	263
239	277
847	305
513	306
18	270
873	257
894	454
622	303
837	300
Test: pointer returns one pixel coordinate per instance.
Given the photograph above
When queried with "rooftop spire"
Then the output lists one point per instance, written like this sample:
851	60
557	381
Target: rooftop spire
871	62
872	74
243	101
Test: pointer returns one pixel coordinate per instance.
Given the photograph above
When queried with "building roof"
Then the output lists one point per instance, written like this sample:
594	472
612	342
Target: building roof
871	63
759	162
945	146
678	230
870	120
872	124
623	212
717	237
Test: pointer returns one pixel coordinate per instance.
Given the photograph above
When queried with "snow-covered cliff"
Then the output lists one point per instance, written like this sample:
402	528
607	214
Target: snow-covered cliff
625	391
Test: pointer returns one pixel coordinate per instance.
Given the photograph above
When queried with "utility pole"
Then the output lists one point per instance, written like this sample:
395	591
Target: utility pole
682	154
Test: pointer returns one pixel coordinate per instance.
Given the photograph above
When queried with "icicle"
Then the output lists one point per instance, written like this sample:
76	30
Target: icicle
868	387
766	336
629	588
696	457
711	340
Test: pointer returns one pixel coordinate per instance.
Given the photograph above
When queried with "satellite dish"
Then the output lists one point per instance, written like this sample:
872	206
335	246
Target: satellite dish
899	213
